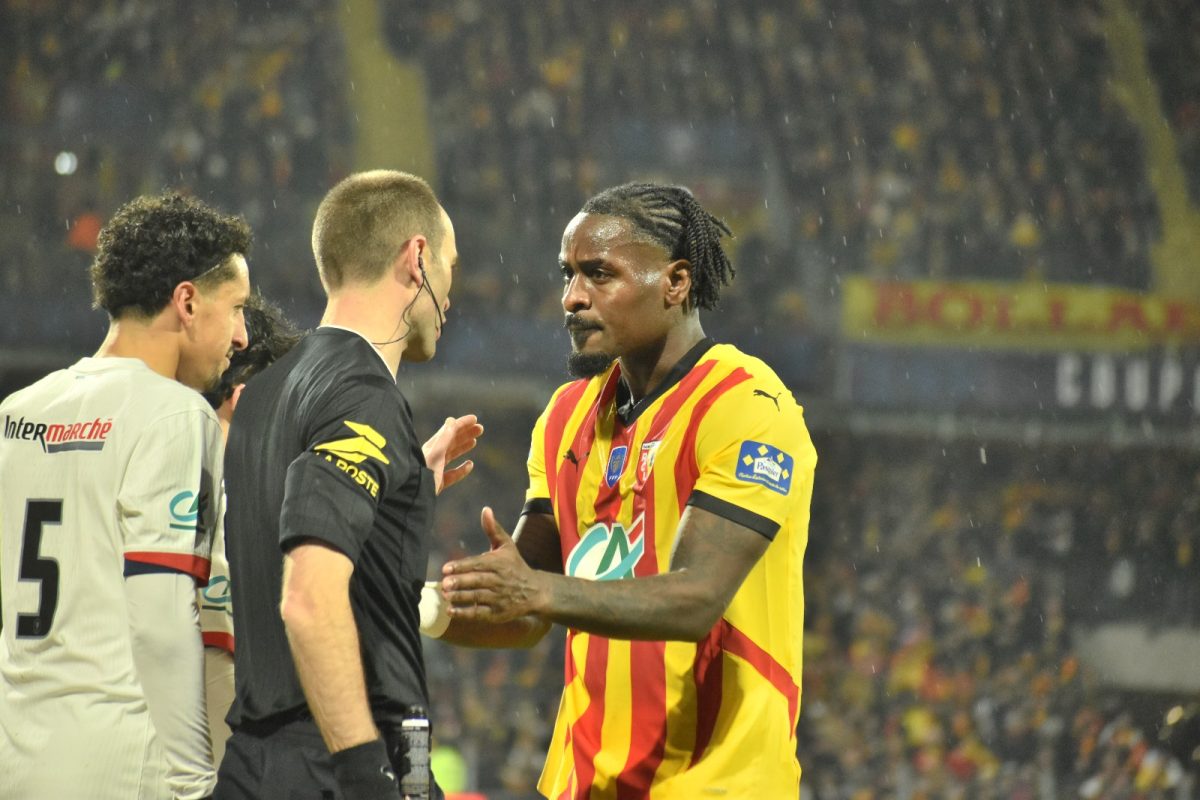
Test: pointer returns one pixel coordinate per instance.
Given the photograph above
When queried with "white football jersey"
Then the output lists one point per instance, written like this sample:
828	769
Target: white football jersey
106	469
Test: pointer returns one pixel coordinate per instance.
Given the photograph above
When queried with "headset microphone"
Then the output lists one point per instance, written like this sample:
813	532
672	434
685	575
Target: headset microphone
437	306
441	319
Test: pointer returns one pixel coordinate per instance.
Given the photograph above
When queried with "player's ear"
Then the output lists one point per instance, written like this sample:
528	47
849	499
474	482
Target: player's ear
678	279
183	300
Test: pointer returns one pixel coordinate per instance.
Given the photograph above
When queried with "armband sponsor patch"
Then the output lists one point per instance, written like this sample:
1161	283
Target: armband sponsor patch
187	510
348	453
761	463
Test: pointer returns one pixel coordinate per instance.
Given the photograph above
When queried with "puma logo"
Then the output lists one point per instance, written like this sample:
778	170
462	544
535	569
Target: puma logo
774	398
574	459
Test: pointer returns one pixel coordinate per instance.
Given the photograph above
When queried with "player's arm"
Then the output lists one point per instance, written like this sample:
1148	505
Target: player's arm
712	557
164	625
175	457
537	545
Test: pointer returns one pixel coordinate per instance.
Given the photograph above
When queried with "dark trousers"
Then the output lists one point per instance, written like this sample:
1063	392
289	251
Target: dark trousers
284	762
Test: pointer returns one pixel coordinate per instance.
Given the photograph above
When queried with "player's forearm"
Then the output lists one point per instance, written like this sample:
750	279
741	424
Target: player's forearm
437	624
676	606
169	656
325	648
524	632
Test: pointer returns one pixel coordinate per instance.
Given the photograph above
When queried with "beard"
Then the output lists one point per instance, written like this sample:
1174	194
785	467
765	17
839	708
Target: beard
588	365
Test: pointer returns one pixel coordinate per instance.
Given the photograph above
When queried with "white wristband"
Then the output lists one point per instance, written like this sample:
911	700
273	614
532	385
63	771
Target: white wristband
434	616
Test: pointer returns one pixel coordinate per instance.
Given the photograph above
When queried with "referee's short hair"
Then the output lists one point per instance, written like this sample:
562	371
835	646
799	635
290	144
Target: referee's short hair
364	221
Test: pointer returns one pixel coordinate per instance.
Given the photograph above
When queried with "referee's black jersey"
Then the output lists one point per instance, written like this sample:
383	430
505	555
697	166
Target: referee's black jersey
322	447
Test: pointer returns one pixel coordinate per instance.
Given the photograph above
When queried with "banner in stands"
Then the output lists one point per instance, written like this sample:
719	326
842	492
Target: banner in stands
1024	316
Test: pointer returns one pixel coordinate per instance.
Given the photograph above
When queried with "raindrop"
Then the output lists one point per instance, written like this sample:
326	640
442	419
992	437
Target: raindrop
982	455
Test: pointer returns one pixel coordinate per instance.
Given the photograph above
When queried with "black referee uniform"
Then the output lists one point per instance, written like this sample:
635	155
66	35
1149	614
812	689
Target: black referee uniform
322	447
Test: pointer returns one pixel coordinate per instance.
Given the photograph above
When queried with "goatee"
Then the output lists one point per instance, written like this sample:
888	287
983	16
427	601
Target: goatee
587	365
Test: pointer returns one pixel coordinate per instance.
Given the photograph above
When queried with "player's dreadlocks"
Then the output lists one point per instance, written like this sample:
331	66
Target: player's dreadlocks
672	217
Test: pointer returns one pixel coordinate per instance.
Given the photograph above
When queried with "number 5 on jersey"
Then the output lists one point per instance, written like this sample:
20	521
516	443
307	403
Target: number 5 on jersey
34	567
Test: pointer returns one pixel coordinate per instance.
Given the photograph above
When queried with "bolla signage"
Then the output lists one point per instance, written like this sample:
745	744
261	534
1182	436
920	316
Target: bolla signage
1014	316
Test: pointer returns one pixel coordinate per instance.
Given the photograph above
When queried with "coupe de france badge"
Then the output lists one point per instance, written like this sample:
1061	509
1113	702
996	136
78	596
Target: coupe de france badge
762	463
616	465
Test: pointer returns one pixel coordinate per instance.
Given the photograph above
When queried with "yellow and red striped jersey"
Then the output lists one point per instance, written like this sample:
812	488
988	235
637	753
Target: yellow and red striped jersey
678	719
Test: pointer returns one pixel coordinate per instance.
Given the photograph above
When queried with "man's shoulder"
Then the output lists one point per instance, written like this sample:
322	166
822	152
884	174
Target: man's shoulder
131	389
333	358
748	376
150	397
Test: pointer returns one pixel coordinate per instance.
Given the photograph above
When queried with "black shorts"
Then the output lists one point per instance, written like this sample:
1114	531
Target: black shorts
280	762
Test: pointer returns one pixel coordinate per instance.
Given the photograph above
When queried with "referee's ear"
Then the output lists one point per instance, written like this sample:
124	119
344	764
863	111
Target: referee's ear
410	262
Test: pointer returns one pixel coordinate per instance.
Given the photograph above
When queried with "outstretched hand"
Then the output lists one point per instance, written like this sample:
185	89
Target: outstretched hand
497	586
454	439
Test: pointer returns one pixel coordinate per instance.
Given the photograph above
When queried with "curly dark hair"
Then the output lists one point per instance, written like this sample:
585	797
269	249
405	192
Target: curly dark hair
671	217
271	336
152	244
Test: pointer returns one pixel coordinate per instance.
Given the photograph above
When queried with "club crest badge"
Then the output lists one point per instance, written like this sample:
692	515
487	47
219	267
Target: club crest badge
616	465
646	461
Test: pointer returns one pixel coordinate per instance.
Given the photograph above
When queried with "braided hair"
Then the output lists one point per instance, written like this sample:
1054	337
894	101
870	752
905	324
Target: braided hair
671	217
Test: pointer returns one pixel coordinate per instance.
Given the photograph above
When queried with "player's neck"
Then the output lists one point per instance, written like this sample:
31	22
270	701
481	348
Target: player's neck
149	341
365	313
645	370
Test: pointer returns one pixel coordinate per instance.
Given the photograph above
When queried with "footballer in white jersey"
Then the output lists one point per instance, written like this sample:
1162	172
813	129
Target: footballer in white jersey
107	470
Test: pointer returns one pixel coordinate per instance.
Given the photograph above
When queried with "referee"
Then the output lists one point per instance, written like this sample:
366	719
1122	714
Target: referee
330	504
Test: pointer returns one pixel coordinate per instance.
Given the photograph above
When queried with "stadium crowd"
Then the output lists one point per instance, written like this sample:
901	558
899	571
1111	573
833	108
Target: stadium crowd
914	139
238	104
900	139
